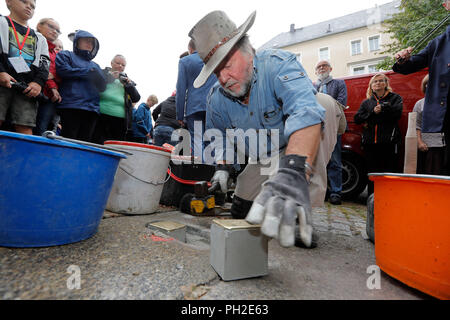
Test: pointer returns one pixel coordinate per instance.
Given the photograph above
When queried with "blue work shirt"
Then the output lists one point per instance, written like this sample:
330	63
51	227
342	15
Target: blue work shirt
190	100
282	97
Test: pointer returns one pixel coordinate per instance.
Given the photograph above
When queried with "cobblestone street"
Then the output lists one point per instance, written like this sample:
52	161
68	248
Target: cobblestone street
348	219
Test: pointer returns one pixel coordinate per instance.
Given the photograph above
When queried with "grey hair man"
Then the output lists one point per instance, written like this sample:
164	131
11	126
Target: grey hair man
268	92
338	90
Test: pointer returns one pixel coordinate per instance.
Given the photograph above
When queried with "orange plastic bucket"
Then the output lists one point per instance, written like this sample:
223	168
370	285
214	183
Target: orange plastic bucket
412	230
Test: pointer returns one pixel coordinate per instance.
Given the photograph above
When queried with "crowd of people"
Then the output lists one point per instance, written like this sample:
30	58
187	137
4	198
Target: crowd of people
68	93
44	87
223	83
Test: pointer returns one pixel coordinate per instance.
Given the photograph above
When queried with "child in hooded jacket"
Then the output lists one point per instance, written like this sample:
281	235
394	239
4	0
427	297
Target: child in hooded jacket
82	80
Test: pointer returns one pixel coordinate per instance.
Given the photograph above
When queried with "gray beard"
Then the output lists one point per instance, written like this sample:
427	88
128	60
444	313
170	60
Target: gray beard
245	85
323	76
242	92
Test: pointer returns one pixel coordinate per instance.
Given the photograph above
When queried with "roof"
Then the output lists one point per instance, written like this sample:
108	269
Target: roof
349	22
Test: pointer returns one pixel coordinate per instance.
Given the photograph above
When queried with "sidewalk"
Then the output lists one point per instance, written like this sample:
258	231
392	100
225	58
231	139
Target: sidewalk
124	261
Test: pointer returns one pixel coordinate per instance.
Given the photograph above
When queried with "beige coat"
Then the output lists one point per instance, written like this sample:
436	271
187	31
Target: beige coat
335	123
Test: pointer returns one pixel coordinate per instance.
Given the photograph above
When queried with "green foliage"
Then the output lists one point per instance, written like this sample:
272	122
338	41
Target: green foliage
415	19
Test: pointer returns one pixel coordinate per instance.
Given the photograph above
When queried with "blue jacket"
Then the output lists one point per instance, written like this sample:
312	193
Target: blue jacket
190	100
335	88
436	56
142	121
82	80
281	98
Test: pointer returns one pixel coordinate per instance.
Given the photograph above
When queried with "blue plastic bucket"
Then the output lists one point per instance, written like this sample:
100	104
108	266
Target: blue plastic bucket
51	192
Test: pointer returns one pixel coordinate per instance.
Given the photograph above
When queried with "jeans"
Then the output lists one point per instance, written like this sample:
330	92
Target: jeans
45	115
334	169
162	135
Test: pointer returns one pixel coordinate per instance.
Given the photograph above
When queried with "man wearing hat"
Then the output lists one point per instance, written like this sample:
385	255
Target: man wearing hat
266	90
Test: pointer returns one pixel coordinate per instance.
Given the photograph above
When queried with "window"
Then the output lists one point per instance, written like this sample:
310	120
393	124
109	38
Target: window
359	70
356	47
373	68
369	67
374	43
324	54
299	57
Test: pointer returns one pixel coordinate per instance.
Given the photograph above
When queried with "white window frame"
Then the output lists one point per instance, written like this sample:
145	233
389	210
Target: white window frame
329	53
356	67
379	42
351	47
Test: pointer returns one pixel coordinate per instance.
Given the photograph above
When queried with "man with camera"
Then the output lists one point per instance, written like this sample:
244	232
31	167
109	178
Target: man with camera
116	103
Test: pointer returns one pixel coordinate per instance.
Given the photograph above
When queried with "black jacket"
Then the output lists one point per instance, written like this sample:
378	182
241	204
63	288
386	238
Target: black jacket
131	96
382	127
165	114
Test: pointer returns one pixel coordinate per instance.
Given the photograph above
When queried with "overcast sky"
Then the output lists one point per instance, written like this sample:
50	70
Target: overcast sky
153	34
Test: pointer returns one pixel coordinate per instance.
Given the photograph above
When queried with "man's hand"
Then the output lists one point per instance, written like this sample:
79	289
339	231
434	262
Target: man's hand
181	123
5	80
222	177
33	90
403	55
282	199
56	96
422	146
115	74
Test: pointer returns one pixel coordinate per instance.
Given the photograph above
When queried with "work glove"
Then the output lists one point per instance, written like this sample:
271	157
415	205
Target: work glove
283	198
222	176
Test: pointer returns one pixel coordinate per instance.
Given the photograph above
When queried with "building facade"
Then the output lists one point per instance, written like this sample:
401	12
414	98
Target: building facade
352	43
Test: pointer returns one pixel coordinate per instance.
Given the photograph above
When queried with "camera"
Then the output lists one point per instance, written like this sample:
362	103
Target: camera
21	86
123	77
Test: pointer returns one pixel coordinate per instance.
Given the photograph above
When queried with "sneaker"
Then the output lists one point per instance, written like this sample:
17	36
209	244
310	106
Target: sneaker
335	199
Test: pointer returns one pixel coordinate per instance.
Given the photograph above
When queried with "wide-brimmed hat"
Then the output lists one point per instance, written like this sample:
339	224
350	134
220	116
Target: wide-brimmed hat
214	36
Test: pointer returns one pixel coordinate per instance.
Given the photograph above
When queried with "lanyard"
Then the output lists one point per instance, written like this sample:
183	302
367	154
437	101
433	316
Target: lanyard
378	100
21	45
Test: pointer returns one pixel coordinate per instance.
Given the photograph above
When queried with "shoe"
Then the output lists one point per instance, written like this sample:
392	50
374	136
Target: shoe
335	199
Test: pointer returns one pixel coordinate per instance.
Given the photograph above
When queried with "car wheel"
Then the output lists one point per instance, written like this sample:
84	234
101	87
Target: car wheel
354	175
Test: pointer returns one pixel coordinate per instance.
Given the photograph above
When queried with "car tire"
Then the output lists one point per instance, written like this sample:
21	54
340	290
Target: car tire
354	175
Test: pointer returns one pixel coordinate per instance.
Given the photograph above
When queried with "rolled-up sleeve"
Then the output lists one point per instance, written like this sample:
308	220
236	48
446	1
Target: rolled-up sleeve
296	92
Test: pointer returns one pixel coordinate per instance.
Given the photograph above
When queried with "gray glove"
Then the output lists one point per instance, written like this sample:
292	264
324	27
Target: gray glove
221	176
282	199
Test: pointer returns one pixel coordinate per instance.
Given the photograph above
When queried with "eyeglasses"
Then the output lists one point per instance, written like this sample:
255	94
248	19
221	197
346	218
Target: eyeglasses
120	64
53	28
322	66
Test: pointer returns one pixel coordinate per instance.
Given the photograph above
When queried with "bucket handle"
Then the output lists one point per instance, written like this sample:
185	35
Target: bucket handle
52	135
147	182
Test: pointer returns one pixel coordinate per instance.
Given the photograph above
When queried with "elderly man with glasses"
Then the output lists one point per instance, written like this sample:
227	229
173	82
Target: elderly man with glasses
269	93
338	90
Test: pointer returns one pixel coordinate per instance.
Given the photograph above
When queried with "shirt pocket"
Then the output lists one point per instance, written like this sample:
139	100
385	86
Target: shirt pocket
272	114
291	79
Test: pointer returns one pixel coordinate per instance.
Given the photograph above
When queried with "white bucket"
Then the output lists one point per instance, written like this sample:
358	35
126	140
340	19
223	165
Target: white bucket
139	180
